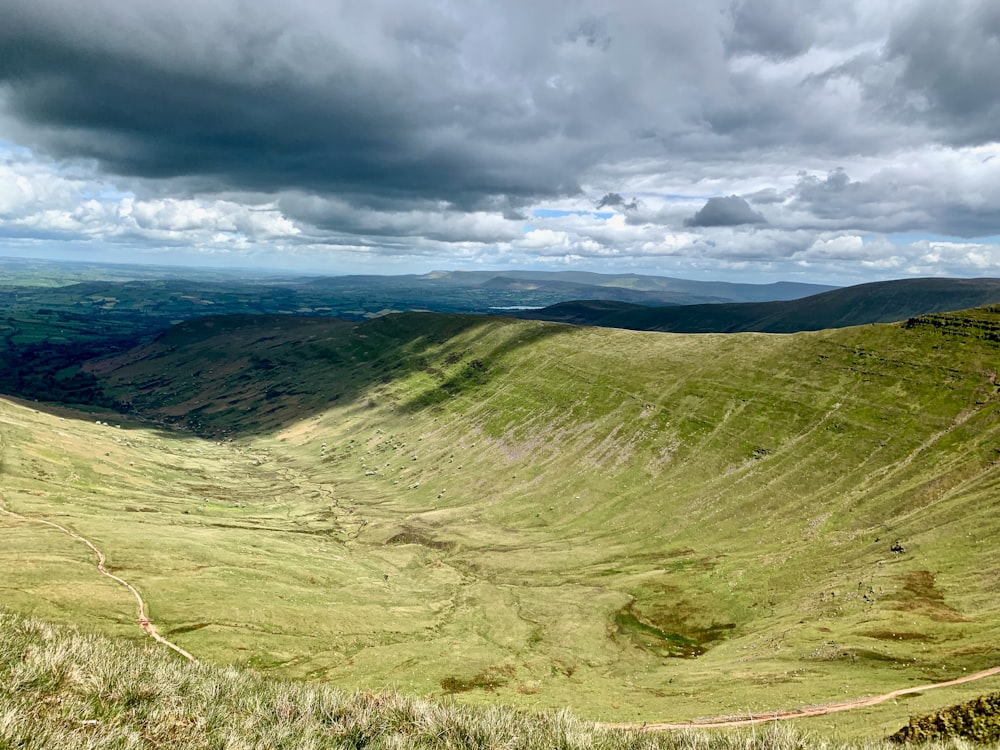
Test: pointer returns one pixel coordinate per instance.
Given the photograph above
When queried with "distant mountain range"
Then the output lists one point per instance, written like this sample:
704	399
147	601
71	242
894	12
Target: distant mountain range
636	288
124	297
877	302
49	301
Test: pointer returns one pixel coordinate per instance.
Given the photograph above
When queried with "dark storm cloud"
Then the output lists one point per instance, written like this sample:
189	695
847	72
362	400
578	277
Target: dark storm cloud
404	102
730	211
270	101
452	125
398	102
950	55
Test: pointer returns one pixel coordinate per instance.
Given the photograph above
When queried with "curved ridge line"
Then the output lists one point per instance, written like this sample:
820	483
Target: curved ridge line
148	627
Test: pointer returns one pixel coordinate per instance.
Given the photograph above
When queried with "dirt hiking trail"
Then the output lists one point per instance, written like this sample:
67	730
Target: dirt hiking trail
800	713
144	622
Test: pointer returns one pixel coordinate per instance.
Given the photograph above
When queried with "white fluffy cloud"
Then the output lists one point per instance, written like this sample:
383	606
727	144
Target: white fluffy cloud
40	196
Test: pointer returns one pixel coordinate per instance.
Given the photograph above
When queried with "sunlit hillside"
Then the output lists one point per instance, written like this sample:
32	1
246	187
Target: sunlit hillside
637	526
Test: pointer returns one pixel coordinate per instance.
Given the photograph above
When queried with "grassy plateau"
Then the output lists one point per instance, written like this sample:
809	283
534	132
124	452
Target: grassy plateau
636	526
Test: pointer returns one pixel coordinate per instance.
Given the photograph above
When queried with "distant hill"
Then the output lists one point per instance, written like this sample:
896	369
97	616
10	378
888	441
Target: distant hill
51	302
877	302
644	289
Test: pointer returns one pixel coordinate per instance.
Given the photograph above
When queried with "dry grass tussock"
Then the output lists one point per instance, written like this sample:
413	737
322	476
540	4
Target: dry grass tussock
60	689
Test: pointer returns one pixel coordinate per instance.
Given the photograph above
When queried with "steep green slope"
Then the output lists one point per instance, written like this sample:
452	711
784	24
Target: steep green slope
640	526
878	302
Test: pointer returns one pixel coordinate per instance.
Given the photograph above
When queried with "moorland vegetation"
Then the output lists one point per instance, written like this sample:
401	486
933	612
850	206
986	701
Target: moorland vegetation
61	690
641	527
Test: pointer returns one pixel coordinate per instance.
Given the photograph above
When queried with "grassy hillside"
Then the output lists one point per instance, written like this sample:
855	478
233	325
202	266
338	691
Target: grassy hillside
60	690
878	302
638	526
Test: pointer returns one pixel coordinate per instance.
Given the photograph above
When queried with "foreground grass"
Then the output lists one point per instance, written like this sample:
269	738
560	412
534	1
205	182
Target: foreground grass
61	689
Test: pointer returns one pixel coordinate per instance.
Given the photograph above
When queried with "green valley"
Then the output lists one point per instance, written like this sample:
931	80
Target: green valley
638	526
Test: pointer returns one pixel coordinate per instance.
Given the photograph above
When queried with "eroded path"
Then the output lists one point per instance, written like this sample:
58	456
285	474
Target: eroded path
144	623
800	713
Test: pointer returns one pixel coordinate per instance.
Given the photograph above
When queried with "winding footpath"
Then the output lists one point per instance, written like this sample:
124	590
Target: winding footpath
148	627
800	713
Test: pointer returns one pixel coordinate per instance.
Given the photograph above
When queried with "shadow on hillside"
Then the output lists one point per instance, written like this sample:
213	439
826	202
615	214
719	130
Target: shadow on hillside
250	375
94	414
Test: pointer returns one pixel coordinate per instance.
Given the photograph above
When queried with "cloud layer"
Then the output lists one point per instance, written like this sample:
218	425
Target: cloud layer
857	140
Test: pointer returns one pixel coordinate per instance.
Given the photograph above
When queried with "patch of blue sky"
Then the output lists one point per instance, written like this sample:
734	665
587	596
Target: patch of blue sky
6	147
684	196
104	193
910	238
555	213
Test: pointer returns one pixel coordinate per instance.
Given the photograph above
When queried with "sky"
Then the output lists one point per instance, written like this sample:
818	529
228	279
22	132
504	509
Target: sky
832	141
